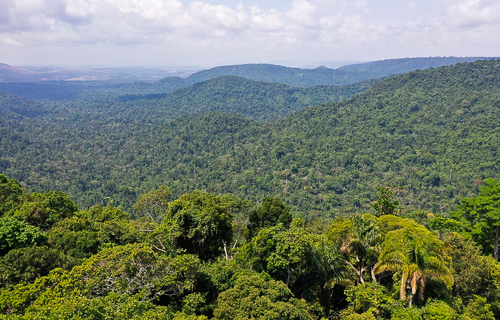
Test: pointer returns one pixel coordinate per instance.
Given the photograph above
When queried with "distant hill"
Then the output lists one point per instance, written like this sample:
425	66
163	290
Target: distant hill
326	76
265	101
67	84
389	67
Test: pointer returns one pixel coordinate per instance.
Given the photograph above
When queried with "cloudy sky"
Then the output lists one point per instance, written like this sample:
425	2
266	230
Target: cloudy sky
216	32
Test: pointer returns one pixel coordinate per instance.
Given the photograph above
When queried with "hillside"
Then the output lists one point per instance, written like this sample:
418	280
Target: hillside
434	132
263	101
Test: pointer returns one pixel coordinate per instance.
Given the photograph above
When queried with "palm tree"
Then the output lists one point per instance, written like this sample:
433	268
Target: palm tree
362	245
418	255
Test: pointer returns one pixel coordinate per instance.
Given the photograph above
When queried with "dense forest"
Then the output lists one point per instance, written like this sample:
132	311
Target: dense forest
434	132
204	256
221	197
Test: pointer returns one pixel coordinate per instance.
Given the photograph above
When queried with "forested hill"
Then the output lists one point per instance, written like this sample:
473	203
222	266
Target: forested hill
388	67
264	101
297	77
325	76
436	132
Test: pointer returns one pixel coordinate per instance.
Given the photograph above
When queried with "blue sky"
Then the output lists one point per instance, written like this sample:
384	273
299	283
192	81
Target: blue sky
217	32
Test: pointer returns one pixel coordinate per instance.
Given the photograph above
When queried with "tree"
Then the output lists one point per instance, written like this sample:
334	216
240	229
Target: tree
438	310
154	204
368	298
386	204
28	263
200	223
15	234
43	210
360	242
478	309
138	269
286	254
416	255
10	195
254	297
271	212
474	274
112	306
481	216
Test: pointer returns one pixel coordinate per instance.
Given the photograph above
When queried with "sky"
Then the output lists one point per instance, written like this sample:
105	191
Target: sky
207	33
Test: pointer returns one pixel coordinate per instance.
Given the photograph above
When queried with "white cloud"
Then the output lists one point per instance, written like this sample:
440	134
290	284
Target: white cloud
303	13
349	29
265	20
475	13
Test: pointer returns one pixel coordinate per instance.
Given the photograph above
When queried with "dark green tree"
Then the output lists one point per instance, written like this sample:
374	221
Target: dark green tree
200	223
26	264
10	194
270	213
285	254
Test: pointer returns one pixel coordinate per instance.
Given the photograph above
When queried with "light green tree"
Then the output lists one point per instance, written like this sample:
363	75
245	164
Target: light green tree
416	255
254	297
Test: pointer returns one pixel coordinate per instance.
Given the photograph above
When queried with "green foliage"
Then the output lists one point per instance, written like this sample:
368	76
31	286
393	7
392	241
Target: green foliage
10	195
434	133
285	254
254	297
112	306
401	313
265	101
56	285
359	239
474	274
369	298
478	309
217	277
86	232
201	224
386	204
481	216
443	224
136	269
16	234
27	264
439	310
416	255
43	210
154	204
270	213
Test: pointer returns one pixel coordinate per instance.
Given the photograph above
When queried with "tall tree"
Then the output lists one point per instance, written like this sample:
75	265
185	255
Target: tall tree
359	240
